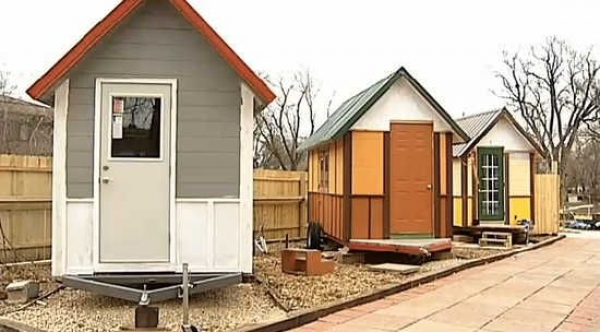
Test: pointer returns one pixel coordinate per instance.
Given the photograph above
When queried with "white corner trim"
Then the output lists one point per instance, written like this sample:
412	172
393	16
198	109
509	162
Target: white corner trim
59	180
246	178
173	230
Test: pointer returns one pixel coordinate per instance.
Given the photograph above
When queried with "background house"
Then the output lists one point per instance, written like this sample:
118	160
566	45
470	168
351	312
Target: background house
381	166
494	171
25	127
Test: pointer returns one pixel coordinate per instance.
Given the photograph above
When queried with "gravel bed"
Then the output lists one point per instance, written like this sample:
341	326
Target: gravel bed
348	281
76	310
474	252
219	310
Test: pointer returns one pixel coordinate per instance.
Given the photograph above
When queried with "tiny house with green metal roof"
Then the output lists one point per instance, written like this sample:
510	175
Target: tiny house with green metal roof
494	171
381	166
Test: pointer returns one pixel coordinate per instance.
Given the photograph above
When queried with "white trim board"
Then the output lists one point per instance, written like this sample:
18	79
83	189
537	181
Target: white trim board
59	179
246	209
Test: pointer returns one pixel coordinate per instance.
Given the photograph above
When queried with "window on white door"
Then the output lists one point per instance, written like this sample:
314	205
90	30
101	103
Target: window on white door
136	127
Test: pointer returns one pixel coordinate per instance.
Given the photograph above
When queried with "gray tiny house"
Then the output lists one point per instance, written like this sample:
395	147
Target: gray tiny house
152	146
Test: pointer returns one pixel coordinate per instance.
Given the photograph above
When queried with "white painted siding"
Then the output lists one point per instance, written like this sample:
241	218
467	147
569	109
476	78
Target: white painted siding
401	103
208	237
504	134
80	236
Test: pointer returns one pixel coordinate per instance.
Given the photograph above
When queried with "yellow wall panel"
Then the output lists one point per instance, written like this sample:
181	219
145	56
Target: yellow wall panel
519	173
470	212
456	177
457	211
470	169
339	167
367	162
520	208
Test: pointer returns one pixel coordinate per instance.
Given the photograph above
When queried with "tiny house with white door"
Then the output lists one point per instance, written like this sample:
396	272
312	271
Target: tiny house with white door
152	149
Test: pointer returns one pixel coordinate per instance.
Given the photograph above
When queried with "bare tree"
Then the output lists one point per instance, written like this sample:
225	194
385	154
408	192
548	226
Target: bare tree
281	127
582	171
555	89
6	89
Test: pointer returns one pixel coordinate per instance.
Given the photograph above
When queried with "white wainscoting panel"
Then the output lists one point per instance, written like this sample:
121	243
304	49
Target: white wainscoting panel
79	244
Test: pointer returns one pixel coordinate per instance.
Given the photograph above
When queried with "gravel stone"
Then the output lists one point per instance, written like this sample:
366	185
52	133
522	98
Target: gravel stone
218	310
221	310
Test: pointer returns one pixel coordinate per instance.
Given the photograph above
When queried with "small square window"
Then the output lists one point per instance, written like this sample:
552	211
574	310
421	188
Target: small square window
136	127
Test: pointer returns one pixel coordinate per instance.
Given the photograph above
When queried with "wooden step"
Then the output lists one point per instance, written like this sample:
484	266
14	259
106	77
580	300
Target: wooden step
507	242
496	234
491	240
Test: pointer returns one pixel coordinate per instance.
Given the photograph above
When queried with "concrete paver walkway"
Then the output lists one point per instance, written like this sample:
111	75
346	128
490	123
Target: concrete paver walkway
556	288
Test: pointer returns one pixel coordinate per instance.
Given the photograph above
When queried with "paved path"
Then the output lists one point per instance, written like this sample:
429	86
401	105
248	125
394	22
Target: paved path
556	288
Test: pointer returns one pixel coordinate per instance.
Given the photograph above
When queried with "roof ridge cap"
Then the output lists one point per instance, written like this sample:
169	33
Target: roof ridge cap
498	110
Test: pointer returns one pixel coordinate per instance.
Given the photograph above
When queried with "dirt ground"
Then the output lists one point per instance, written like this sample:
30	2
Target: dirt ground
219	310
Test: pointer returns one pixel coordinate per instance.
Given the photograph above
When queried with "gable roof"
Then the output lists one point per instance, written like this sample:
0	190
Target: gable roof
44	84
478	125
351	110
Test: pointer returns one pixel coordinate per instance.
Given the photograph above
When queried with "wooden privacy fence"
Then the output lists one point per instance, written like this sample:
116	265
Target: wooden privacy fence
547	203
280	203
25	207
280	206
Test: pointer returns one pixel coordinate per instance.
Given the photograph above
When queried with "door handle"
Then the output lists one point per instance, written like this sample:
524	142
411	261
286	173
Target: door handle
105	180
429	186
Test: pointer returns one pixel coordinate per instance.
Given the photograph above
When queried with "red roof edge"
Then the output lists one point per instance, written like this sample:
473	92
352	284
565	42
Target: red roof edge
122	11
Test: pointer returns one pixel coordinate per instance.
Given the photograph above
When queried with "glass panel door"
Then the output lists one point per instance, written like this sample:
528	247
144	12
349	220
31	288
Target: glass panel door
491	183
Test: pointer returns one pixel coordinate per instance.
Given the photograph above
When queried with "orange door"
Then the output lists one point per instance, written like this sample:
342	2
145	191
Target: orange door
411	164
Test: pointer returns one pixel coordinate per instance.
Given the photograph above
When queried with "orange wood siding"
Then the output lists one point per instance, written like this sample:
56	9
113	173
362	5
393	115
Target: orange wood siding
332	168
367	217
377	213
339	167
335	183
367	163
313	171
328	210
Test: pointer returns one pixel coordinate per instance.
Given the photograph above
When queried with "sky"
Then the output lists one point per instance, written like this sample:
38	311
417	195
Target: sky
453	48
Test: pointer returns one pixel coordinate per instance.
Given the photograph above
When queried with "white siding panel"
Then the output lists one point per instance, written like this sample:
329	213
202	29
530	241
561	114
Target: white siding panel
227	237
504	134
194	241
400	103
79	237
209	235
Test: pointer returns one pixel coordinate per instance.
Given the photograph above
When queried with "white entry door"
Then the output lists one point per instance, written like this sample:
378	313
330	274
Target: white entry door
134	173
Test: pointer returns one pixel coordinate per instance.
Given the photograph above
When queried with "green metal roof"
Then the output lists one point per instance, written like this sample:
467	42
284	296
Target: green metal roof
478	125
345	116
474	125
